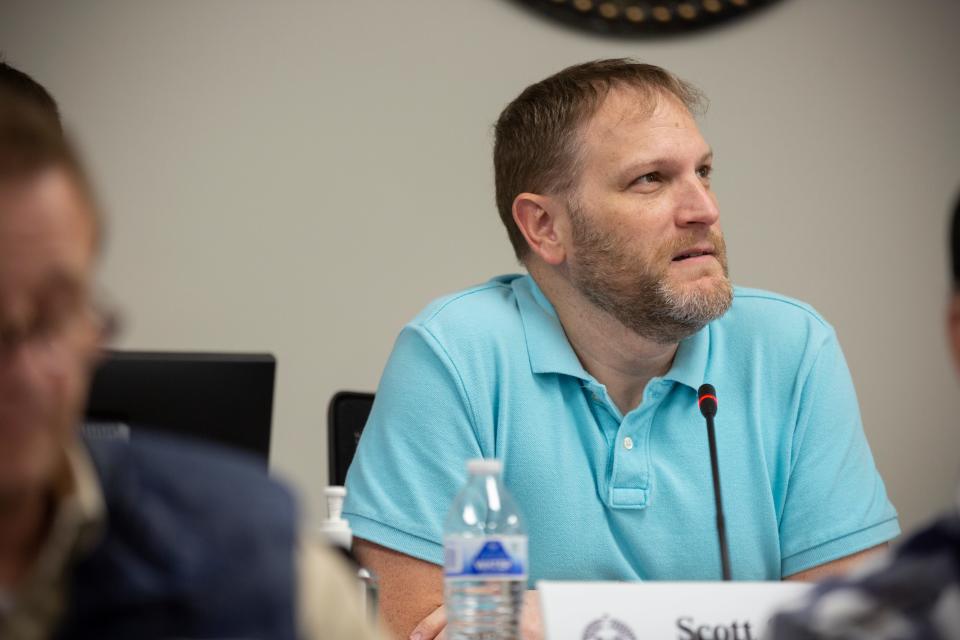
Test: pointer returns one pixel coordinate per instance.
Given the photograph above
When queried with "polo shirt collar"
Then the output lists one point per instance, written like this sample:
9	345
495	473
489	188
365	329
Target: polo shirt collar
690	364
550	351
547	344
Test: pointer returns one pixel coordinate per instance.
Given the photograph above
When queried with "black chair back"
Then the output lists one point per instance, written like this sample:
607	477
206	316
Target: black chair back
346	417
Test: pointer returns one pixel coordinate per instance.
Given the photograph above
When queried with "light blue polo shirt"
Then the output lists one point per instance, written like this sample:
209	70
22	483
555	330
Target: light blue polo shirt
488	372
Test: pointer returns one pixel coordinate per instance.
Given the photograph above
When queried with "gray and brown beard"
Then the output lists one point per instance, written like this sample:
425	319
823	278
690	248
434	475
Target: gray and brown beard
638	295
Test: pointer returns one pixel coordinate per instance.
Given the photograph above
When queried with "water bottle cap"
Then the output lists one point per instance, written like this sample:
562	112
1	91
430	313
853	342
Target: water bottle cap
484	465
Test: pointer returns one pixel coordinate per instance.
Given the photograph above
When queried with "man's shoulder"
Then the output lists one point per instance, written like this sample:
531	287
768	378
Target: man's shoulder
783	330
167	474
766	312
775	304
187	526
484	307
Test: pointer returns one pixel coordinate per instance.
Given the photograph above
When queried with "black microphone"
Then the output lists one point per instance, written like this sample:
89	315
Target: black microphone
707	401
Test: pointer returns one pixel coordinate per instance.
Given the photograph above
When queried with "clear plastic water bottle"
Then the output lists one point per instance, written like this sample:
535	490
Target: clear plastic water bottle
485	558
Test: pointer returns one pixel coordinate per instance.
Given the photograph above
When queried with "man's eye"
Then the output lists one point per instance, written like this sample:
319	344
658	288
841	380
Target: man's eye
648	178
705	171
46	327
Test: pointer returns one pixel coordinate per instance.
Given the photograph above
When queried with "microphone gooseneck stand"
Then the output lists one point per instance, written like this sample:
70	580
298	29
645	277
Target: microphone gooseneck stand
707	401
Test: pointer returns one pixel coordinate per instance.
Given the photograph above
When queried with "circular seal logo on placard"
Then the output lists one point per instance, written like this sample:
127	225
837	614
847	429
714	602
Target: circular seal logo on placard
607	628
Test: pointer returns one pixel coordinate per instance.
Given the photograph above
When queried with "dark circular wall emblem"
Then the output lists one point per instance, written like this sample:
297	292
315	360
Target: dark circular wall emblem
644	17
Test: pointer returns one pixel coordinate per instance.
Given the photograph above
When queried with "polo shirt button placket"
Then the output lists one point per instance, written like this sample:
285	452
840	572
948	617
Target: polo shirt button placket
628	485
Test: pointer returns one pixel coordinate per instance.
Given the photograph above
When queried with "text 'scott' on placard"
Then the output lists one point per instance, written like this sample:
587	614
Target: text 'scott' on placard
662	610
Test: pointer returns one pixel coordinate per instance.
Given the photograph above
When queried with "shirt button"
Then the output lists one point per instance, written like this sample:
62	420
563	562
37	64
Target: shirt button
628	443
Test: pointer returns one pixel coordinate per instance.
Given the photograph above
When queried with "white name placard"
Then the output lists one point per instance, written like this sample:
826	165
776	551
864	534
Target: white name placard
662	610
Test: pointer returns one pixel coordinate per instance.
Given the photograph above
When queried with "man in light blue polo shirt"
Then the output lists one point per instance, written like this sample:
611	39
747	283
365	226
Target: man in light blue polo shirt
582	376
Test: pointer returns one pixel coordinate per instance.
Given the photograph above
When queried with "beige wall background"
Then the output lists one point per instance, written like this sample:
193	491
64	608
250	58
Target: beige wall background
302	177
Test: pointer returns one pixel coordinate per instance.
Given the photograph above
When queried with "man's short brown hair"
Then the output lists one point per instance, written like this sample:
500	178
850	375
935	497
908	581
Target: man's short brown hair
17	85
31	140
536	137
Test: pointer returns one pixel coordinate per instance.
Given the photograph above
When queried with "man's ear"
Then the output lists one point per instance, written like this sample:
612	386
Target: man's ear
540	220
953	328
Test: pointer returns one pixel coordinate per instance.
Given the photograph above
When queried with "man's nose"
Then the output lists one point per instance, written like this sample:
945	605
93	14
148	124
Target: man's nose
697	205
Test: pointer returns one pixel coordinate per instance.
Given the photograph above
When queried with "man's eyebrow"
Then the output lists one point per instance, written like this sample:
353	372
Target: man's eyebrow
707	157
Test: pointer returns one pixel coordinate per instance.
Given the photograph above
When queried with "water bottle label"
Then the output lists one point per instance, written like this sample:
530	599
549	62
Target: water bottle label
503	557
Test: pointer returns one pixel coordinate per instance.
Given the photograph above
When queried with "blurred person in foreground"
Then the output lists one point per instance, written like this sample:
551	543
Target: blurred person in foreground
582	375
910	594
145	539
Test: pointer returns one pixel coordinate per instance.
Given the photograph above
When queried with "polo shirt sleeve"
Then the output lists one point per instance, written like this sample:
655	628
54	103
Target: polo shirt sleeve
411	460
835	504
